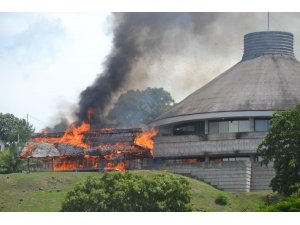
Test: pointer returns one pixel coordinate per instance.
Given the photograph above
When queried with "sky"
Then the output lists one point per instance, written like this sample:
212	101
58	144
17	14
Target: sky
47	59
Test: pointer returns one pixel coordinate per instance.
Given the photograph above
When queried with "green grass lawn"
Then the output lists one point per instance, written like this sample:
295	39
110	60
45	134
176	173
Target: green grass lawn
45	191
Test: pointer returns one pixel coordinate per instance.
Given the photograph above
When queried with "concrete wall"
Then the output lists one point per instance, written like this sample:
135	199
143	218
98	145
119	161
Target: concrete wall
261	176
193	145
227	176
235	176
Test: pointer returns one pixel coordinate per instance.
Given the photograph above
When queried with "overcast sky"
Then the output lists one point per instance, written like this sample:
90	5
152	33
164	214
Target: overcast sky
47	59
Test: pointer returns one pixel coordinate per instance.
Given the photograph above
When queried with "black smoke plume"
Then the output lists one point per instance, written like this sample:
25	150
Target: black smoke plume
137	36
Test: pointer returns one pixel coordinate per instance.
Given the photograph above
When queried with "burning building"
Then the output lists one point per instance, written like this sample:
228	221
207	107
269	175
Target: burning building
213	134
82	148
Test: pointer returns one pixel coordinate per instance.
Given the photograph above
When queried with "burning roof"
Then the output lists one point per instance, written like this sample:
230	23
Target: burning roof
113	146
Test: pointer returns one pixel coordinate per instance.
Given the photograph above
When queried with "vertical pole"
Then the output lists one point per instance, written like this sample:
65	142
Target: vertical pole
268	21
52	159
76	164
27	118
28	166
99	167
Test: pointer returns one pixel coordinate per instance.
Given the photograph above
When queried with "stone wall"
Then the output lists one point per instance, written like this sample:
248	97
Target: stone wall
235	176
261	176
227	176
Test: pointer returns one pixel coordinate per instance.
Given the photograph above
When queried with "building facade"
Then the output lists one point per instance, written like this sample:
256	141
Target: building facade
213	134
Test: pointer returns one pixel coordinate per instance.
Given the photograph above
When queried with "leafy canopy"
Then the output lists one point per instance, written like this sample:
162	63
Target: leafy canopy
137	106
282	145
11	127
116	192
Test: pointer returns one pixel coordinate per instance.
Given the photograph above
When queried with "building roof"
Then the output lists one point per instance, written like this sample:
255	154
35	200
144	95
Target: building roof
263	80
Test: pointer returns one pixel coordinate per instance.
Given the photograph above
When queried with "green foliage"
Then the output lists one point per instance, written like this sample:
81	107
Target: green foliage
13	129
136	107
282	145
290	205
116	192
9	161
221	200
273	198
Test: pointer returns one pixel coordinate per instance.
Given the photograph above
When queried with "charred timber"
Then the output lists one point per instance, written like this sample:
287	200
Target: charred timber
94	132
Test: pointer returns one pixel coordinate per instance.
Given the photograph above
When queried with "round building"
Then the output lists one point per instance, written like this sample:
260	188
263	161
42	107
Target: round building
223	122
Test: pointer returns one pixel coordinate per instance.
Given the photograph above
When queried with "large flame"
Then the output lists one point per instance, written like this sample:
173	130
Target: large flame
145	140
114	155
74	135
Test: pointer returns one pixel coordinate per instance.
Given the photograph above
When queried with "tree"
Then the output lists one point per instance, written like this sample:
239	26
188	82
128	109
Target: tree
13	129
136	107
282	146
116	192
9	161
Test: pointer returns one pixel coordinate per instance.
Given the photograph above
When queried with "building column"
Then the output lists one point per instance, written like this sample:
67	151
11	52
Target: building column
206	127
251	124
206	159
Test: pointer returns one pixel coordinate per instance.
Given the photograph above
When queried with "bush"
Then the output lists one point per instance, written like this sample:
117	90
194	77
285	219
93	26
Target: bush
290	205
116	192
9	161
221	200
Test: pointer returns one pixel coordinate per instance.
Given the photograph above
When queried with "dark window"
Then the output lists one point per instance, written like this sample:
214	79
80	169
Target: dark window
165	131
193	128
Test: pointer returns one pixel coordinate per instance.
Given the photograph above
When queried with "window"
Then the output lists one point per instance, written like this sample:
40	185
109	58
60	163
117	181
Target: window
234	126
262	125
193	128
213	127
229	126
165	131
223	127
244	126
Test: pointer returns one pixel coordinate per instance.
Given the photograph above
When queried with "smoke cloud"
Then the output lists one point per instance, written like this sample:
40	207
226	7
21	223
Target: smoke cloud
177	51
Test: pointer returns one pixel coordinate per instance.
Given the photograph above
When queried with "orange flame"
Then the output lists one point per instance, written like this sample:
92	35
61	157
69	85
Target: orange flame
64	164
112	167
74	135
190	161
145	140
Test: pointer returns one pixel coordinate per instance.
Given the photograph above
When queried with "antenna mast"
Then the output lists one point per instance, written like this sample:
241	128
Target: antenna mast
268	21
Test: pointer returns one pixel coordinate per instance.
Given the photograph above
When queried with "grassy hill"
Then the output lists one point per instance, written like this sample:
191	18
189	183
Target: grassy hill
44	192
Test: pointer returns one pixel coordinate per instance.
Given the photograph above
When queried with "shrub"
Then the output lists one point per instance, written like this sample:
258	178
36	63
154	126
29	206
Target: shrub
9	161
290	205
221	200
116	192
